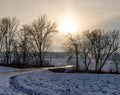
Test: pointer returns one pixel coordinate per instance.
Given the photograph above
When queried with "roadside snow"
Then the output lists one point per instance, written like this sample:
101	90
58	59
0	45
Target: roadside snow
48	83
4	69
5	85
44	82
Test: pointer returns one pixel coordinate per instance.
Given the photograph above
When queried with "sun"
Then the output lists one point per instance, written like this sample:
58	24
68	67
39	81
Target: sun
68	25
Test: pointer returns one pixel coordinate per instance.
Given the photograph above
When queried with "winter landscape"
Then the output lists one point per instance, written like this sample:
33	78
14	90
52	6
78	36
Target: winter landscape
44	82
59	47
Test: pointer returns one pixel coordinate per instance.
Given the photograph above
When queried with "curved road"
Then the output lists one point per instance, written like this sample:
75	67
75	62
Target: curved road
34	69
7	88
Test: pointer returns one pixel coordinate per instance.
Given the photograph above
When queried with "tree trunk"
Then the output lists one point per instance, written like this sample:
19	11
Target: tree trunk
76	54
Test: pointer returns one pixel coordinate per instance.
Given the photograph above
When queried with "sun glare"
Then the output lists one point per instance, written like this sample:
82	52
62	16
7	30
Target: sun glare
68	25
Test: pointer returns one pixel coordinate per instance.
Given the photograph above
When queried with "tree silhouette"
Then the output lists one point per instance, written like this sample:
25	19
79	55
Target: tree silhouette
40	34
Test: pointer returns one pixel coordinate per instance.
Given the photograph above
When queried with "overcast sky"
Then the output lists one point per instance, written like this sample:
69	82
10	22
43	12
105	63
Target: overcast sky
88	13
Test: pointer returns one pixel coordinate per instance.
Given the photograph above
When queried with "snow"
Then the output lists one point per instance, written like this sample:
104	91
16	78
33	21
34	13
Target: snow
5	86
44	82
4	69
48	83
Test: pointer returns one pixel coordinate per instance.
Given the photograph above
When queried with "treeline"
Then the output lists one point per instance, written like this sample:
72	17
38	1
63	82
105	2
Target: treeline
26	45
95	48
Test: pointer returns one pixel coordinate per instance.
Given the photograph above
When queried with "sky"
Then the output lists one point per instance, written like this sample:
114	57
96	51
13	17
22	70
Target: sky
89	14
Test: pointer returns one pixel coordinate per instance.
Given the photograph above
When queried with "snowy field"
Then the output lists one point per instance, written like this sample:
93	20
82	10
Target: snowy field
48	83
44	82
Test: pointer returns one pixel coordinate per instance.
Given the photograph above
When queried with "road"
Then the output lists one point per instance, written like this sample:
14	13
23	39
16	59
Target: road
34	69
7	86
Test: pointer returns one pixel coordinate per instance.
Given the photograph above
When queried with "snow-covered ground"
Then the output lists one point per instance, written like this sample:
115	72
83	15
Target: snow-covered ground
4	69
48	83
6	87
44	82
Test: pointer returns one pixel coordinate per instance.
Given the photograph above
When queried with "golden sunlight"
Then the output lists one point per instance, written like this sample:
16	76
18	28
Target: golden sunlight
68	25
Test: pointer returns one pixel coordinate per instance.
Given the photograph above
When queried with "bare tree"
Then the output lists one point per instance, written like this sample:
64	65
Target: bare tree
8	27
85	53
40	33
16	54
80	48
104	44
73	45
24	47
2	32
116	60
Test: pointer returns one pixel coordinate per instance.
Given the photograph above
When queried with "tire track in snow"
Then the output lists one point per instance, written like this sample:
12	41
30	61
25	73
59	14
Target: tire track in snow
16	73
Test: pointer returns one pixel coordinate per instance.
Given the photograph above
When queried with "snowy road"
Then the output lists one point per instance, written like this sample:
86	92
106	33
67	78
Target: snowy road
6	73
43	82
